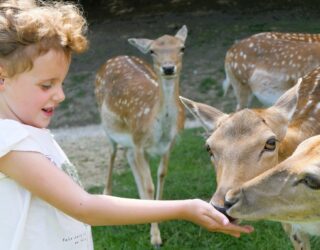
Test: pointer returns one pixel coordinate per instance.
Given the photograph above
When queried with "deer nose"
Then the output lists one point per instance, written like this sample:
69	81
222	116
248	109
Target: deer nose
223	210
168	70
232	197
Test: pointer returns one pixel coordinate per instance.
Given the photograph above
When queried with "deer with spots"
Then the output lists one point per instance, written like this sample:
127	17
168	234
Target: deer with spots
245	144
265	65
141	110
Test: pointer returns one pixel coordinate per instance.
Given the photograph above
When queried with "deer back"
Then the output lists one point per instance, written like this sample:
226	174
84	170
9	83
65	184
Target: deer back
289	55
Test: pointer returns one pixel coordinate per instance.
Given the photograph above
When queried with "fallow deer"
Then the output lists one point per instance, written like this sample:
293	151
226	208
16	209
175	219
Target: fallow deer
141	110
267	64
244	144
287	193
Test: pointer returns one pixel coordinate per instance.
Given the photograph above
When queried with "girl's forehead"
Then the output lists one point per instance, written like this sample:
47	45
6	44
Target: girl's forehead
52	54
51	64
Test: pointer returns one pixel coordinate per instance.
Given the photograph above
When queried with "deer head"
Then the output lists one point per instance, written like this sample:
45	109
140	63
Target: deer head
166	51
244	144
288	192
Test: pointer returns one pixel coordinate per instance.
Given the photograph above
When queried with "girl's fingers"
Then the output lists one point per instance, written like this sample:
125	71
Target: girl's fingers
229	232
232	229
238	228
218	216
234	234
223	220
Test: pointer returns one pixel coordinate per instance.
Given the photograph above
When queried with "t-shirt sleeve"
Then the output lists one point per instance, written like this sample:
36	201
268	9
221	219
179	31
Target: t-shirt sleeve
14	137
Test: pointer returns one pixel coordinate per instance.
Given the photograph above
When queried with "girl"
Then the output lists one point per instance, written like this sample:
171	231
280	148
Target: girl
41	202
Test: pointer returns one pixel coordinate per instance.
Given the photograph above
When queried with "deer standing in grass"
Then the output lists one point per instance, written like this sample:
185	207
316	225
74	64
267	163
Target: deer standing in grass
288	192
244	144
141	110
267	64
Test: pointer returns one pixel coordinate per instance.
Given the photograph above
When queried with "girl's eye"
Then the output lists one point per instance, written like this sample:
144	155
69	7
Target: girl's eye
46	86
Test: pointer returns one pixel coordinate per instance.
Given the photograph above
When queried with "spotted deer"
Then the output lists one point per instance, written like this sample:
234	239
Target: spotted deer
265	65
287	193
141	110
244	144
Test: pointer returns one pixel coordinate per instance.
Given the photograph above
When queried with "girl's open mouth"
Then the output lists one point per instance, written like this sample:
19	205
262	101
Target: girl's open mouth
48	111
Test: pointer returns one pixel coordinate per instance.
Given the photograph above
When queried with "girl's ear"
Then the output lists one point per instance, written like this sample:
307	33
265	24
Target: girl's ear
2	78
2	86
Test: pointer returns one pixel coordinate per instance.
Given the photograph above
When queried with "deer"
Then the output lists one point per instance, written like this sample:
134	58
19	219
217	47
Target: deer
288	193
266	65
248	142
141	111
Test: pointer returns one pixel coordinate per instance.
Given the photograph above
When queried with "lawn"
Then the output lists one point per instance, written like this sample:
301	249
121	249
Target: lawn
190	175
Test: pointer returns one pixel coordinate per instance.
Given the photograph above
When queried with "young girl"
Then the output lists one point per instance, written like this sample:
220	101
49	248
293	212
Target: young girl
42	205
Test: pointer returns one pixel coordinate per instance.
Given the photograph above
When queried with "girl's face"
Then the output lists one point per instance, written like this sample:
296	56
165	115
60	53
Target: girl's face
32	96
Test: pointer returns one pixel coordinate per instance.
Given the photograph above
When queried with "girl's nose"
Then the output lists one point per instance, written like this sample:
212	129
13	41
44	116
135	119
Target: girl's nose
59	94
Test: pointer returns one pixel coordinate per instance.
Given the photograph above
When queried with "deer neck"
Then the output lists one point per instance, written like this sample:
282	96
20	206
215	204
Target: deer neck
169	95
298	131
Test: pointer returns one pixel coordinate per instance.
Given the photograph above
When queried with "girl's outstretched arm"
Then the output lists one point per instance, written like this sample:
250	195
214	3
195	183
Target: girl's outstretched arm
37	174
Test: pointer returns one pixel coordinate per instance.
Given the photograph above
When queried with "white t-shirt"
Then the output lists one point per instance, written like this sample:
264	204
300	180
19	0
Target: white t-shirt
27	222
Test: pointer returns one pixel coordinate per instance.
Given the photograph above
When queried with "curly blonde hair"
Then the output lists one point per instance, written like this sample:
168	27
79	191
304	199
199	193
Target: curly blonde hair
29	28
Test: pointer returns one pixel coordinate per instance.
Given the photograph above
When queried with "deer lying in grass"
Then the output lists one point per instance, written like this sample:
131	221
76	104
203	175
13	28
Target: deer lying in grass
288	192
268	64
141	110
244	144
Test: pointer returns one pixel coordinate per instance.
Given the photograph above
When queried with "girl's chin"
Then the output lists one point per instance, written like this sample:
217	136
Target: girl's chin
40	124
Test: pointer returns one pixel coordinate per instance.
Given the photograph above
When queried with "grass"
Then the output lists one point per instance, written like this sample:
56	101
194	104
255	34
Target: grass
209	83
190	176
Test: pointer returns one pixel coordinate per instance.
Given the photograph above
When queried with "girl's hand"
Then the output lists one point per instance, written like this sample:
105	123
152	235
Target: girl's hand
205	215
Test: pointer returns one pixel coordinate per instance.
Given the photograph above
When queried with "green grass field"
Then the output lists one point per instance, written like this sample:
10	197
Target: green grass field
190	176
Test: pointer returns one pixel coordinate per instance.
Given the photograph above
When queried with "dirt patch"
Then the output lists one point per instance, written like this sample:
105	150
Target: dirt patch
88	149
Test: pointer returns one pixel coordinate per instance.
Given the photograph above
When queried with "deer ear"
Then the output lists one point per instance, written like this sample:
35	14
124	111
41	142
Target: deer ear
182	33
207	115
280	114
287	103
142	44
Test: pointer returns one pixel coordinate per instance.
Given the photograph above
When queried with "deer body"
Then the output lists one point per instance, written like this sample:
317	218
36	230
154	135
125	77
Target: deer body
245	144
141	110
268	64
154	123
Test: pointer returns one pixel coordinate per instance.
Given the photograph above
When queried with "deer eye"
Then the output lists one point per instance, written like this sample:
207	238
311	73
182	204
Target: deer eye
151	52
182	50
311	181
270	144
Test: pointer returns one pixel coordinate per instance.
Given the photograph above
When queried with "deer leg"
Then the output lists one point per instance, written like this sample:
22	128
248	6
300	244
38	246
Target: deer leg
243	94
162	173
143	178
242	91
108	186
300	240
